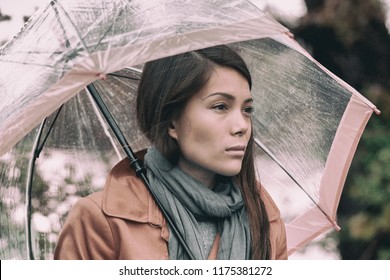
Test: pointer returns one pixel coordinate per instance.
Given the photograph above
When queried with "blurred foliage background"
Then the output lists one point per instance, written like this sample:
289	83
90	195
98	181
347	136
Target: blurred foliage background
350	38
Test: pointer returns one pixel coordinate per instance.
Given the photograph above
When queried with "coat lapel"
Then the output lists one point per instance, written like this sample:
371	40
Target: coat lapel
126	196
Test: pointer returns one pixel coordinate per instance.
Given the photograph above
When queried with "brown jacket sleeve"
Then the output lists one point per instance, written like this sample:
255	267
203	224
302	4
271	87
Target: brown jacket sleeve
86	234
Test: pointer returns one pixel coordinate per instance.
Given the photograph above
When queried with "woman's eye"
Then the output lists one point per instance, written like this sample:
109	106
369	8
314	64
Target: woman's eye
249	110
220	107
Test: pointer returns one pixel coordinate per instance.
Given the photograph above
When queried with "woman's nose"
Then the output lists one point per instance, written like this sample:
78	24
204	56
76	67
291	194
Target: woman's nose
240	123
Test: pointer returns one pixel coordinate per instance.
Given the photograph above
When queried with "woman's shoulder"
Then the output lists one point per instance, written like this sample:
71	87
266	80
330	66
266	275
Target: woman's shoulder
125	195
123	182
124	168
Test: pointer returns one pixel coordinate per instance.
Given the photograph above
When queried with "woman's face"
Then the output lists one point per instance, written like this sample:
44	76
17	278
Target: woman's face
215	126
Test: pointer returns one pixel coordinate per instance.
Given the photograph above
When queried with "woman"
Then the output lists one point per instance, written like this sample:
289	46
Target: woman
195	108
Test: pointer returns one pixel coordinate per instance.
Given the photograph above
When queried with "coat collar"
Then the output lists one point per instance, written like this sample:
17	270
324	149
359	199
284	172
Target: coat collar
126	196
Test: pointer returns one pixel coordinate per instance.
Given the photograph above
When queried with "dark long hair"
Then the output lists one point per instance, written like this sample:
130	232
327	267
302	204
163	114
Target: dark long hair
165	87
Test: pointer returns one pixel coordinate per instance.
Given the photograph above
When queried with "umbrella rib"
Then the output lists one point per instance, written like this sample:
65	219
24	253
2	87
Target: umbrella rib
37	148
77	31
31	168
70	20
67	43
132	69
123	76
268	152
105	126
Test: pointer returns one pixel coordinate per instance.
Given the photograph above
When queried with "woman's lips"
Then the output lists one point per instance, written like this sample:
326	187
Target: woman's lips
237	150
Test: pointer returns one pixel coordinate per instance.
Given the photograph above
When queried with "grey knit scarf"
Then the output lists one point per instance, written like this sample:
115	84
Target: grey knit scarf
187	201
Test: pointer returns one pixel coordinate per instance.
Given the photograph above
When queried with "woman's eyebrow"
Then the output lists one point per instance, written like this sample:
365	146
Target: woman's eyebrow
227	96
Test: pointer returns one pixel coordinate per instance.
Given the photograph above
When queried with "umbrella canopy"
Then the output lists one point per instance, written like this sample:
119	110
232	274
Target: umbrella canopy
307	121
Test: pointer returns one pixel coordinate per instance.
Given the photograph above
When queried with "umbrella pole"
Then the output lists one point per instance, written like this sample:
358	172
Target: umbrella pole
134	162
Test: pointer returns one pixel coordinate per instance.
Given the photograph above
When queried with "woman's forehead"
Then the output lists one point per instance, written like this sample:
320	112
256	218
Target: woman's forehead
226	82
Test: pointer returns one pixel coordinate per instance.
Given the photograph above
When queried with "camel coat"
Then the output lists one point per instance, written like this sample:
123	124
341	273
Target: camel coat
124	222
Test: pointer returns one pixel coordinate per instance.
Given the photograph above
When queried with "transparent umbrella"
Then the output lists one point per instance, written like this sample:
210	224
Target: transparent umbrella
307	122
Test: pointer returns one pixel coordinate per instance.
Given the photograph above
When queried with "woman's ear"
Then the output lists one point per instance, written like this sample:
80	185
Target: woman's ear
172	130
